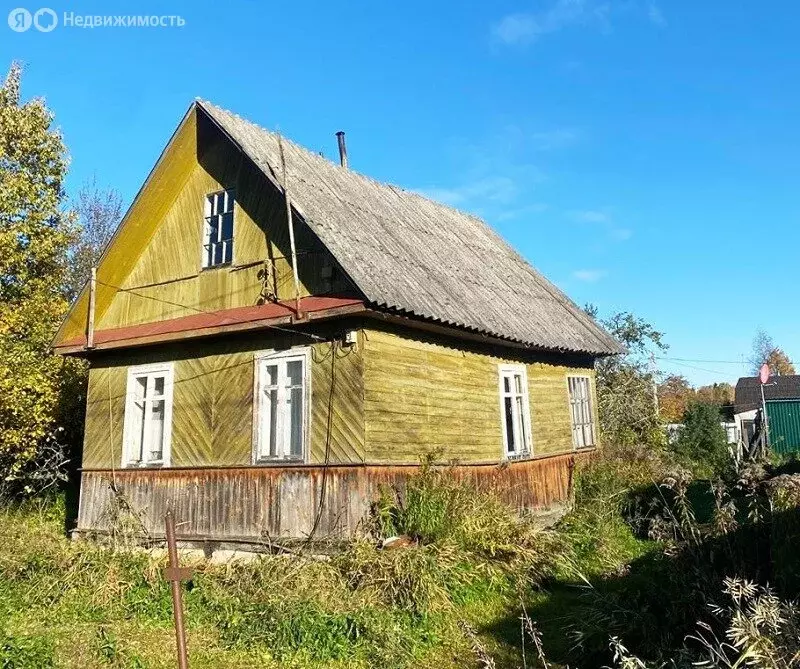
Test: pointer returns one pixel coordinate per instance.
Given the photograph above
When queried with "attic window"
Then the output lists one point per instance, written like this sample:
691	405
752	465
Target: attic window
218	229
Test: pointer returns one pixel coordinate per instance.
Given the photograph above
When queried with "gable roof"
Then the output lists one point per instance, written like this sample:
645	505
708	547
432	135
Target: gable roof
415	257
748	391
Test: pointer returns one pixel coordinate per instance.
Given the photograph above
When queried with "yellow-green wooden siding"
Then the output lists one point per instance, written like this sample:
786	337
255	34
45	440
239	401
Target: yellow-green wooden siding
422	396
212	415
395	398
153	271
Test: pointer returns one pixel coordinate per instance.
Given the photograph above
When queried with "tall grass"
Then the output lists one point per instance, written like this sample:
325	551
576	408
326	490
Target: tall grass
81	604
640	557
438	508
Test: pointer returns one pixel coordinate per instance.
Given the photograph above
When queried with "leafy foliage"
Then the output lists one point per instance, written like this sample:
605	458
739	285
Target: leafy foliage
626	385
438	507
34	235
716	393
674	395
26	652
702	443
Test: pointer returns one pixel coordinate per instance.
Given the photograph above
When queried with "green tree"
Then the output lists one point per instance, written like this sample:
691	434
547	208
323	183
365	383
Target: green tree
34	236
702	443
626	384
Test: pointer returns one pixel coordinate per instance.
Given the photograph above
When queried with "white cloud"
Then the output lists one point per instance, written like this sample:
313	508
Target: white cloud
589	275
655	15
523	28
496	175
516	29
590	216
496	189
557	138
603	219
527	210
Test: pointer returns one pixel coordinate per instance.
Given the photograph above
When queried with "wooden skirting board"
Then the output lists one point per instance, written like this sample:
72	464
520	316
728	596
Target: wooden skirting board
266	503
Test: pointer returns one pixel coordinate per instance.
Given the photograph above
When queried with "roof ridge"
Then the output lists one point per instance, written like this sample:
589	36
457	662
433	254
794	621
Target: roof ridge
411	253
333	163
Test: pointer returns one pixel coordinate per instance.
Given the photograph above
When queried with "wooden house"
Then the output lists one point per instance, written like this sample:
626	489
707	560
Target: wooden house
272	337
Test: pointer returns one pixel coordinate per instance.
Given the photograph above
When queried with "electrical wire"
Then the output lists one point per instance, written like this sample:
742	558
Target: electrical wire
701	369
328	434
722	362
131	291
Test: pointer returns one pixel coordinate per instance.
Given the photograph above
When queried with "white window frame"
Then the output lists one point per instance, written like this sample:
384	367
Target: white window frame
206	241
578	408
260	439
510	371
131	448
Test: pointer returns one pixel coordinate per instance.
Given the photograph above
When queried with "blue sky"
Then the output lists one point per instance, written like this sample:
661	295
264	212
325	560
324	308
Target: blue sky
643	154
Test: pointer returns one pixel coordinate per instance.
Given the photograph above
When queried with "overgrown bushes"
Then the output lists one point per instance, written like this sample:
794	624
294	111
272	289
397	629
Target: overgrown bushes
437	507
656	555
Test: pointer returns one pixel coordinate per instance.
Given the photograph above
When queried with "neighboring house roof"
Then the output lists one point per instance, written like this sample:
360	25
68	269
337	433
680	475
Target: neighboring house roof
748	391
415	257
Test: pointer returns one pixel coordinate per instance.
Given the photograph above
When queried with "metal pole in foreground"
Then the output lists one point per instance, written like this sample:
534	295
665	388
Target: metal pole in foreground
175	575
765	420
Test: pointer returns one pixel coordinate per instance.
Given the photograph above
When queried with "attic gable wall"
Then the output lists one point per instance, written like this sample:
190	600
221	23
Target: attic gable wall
163	276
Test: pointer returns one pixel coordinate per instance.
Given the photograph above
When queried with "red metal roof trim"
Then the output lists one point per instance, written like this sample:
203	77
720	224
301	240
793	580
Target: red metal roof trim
218	319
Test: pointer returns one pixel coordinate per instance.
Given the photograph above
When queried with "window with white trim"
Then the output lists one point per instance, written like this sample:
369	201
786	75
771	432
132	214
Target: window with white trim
282	401
580	402
218	229
515	411
148	416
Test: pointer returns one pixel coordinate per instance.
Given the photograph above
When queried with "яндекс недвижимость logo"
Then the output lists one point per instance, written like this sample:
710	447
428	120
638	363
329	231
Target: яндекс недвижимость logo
21	20
44	20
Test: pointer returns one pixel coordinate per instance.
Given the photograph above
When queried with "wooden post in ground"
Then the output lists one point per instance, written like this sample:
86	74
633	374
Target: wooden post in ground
175	574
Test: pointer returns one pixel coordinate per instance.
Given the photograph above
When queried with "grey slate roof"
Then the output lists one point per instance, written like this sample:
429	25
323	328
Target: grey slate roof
748	391
417	257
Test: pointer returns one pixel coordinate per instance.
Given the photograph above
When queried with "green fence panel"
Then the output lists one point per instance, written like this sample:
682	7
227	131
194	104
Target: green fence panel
784	425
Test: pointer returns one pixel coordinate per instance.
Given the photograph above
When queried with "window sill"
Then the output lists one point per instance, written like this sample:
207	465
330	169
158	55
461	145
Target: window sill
279	461
145	465
516	457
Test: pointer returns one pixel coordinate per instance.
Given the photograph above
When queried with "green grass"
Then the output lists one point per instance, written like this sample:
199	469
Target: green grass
456	595
78	604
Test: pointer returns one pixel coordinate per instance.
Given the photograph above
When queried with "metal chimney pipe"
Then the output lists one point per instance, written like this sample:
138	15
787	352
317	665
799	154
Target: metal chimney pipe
342	148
